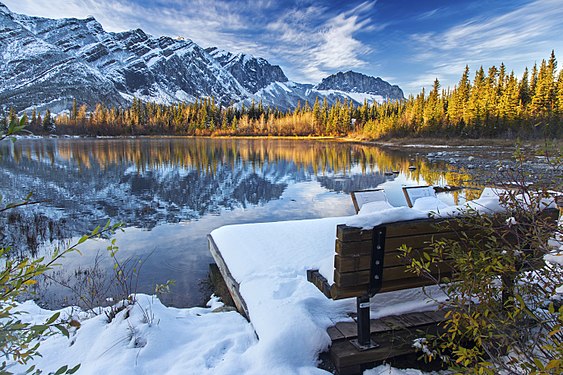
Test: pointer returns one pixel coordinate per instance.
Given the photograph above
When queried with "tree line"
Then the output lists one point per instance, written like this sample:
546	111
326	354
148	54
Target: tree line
493	104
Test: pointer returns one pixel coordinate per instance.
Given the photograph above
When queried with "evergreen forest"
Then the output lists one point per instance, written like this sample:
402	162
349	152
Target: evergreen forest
487	104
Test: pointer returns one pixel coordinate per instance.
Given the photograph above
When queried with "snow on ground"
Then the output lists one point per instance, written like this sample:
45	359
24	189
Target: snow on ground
148	338
289	315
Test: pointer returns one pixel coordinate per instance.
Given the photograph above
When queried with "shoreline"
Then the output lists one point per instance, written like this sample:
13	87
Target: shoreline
413	142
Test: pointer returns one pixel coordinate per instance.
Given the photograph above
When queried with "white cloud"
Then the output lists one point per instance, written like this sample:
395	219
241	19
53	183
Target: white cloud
318	49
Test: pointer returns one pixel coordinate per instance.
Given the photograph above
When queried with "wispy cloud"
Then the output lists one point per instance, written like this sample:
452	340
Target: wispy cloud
517	37
428	15
319	43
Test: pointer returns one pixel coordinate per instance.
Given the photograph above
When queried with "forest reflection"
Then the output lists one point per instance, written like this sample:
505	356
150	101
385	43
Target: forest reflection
208	155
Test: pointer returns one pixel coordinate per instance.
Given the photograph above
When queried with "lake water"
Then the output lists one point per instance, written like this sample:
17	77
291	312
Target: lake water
171	192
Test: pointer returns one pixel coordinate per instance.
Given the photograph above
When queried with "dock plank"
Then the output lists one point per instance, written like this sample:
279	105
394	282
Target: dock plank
348	360
232	284
394	334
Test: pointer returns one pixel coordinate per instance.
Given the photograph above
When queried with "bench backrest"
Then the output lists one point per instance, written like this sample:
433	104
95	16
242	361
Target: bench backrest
354	264
353	259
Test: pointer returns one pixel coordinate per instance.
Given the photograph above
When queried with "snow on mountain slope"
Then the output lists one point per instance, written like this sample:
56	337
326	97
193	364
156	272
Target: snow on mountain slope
34	71
253	73
358	97
127	64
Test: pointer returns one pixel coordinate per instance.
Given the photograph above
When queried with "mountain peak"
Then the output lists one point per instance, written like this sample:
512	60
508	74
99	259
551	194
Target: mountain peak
254	73
4	8
355	82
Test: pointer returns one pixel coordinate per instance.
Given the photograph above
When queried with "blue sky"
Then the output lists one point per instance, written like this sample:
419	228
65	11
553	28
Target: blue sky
409	43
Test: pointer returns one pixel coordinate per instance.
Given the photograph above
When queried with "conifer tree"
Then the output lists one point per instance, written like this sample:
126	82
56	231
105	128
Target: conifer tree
48	121
474	115
524	91
559	95
317	118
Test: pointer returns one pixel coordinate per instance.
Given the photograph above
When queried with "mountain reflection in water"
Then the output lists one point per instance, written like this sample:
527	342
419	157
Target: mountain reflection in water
171	192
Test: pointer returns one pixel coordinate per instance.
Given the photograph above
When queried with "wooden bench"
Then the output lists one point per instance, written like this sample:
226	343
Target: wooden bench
367	262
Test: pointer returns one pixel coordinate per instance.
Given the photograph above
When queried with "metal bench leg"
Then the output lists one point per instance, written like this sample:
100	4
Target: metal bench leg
364	341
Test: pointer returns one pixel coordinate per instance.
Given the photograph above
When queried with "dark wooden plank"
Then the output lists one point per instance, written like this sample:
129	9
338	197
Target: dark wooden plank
396	258
363	262
352	263
436	316
411	320
400	272
396	322
412	227
392	344
346	234
319	281
420	241
232	284
414	282
421	318
376	326
348	329
390	275
351	279
335	333
341	293
361	290
401	228
353	248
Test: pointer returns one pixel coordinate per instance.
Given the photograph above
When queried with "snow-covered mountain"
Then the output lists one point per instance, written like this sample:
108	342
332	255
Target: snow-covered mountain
359	87
46	63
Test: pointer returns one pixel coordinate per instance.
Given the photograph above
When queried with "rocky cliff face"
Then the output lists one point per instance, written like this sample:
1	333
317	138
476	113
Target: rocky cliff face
254	73
46	63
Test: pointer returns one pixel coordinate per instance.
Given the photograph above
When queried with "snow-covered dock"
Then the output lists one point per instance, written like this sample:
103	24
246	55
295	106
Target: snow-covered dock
265	268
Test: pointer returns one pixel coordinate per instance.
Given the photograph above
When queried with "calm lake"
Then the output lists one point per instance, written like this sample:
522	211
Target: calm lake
171	192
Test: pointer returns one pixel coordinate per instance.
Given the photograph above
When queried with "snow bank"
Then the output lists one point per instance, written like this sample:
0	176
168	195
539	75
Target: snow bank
150	338
146	338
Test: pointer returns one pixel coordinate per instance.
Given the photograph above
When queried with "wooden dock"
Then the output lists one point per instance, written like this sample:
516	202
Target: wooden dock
393	334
